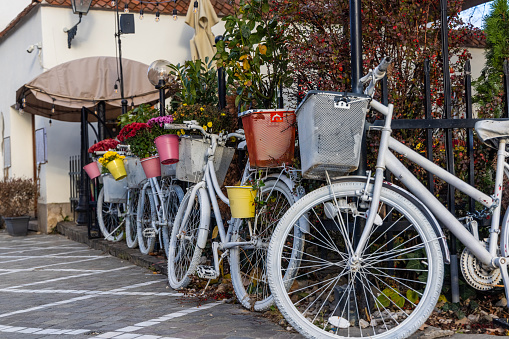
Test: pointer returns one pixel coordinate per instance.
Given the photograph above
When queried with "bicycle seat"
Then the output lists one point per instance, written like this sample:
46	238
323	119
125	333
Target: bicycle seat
491	131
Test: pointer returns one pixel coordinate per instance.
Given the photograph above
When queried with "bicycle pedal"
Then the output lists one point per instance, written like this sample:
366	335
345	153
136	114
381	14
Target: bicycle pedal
207	272
149	232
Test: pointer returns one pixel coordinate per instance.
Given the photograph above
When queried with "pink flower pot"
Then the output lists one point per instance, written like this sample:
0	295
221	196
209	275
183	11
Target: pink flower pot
168	148
92	170
151	166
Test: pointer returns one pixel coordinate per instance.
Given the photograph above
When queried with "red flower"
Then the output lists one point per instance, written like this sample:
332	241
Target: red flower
129	131
103	145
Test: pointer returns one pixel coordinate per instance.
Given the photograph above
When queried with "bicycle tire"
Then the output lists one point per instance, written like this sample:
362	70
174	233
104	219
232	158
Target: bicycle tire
185	252
145	219
248	265
172	201
131	233
313	301
109	218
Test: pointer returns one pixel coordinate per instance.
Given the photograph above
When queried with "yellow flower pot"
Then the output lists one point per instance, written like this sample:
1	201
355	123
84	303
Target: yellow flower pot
117	169
242	201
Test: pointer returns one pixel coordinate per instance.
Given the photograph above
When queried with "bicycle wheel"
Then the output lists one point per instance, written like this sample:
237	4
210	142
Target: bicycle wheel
131	234
173	197
248	263
388	292
110	217
186	238
145	220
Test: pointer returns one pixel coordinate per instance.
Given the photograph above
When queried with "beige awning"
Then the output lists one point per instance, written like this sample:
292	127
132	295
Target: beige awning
202	44
86	82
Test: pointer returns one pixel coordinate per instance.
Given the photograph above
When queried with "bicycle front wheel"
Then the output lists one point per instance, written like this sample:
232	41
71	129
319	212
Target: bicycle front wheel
110	217
185	253
387	292
146	220
131	234
248	263
173	195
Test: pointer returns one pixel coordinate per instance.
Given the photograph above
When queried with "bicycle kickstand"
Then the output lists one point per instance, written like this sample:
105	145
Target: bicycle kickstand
502	262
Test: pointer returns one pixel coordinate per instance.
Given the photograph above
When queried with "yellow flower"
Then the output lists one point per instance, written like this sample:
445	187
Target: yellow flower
209	124
202	109
223	114
182	132
184	104
204	127
178	132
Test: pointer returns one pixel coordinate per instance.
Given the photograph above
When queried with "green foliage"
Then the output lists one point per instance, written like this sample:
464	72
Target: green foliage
254	53
142	113
413	296
389	295
197	83
142	145
210	117
489	86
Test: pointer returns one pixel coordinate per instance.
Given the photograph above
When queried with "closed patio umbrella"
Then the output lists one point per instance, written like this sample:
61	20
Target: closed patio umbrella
202	44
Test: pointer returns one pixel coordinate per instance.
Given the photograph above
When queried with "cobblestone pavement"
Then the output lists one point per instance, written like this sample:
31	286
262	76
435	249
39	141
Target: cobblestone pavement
52	287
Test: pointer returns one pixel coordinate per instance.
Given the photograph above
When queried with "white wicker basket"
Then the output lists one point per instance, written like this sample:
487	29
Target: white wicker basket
331	126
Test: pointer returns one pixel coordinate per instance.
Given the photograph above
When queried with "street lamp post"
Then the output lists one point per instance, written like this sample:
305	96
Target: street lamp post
158	74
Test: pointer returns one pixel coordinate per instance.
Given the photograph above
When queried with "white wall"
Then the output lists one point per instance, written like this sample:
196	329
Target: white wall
10	9
166	39
17	67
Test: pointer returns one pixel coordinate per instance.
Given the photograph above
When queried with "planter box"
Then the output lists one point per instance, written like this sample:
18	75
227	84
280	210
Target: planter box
17	226
193	155
114	191
135	173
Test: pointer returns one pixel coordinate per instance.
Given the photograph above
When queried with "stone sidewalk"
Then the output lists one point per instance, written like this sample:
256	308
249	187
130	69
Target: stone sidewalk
52	287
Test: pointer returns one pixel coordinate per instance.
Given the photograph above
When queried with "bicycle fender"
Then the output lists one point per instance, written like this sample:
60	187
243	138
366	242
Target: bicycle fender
442	240
203	230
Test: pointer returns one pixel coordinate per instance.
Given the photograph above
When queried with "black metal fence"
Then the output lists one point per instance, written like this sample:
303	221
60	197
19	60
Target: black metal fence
74	182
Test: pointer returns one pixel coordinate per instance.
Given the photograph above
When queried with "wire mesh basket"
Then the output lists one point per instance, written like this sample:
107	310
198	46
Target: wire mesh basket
270	136
331	126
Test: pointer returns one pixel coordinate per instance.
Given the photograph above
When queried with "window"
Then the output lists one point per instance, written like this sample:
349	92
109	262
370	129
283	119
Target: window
41	151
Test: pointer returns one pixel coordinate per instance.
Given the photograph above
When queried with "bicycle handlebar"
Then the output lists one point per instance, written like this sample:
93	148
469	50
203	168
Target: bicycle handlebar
381	69
375	75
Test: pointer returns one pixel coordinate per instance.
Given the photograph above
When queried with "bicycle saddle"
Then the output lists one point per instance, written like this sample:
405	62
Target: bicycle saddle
490	131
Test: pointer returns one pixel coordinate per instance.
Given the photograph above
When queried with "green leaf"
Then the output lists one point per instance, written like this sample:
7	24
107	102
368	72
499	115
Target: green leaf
265	8
246	31
237	100
413	296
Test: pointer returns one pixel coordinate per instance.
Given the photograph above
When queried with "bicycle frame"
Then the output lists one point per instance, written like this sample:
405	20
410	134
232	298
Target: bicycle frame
387	160
158	199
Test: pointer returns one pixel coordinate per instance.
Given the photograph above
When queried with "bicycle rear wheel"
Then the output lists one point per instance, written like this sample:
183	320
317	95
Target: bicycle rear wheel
186	237
173	197
248	263
146	220
131	234
110	217
388	292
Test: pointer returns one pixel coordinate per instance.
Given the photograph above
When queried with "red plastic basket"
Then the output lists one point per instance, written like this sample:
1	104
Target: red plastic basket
270	136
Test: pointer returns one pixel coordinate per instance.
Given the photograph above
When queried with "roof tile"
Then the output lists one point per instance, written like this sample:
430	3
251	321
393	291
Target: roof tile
222	7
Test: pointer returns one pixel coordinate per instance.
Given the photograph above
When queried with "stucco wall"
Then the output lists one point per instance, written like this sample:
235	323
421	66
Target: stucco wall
166	39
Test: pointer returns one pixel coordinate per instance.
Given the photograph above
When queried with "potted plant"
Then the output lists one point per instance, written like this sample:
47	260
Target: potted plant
139	138
254	55
17	198
114	163
167	144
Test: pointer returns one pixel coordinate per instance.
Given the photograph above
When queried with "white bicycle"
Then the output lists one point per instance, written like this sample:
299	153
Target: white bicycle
372	264
246	244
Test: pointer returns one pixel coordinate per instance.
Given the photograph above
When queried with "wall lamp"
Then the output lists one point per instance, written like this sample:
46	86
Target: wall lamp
78	7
